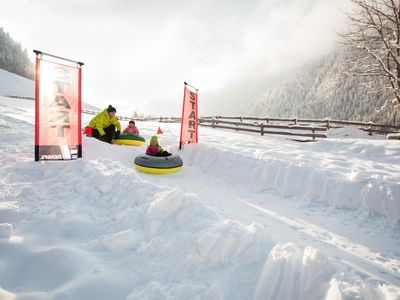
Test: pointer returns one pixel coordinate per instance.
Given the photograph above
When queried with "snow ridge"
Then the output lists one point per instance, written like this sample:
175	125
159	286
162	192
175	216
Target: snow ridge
353	190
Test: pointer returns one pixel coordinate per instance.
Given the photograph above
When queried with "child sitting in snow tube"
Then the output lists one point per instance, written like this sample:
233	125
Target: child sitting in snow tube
154	149
131	129
130	136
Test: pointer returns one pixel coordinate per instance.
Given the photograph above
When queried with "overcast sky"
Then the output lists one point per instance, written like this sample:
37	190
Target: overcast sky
137	52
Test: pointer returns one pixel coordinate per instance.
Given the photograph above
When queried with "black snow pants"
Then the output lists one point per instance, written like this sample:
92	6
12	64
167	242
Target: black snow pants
110	130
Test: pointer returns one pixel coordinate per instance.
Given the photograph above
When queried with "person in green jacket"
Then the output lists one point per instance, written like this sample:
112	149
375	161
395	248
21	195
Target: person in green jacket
104	125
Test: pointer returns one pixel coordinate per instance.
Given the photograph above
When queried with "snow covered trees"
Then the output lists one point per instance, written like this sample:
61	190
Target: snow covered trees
13	58
373	39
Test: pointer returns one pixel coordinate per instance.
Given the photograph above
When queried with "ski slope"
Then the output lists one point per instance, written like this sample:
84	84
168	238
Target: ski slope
249	217
15	85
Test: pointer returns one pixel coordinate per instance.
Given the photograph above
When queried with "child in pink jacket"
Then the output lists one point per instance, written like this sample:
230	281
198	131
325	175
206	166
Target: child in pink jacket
131	129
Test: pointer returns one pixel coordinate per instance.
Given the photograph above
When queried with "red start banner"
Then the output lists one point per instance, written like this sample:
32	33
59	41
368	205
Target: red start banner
189	125
58	109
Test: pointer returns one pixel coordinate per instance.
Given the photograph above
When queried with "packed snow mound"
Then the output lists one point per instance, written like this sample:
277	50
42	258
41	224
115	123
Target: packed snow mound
145	221
293	273
356	190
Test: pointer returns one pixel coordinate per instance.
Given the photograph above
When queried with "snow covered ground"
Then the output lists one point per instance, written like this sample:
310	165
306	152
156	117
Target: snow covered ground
249	217
15	85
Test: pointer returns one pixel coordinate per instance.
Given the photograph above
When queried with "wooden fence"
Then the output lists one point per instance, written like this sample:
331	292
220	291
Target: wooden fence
263	128
370	127
20	97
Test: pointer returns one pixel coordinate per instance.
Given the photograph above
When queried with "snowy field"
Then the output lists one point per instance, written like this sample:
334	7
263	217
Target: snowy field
249	217
14	85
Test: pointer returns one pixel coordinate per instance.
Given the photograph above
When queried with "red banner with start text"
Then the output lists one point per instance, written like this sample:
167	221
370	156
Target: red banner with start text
189	125
58	111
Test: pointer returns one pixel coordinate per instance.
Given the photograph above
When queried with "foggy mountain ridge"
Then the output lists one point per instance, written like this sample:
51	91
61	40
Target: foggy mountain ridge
316	90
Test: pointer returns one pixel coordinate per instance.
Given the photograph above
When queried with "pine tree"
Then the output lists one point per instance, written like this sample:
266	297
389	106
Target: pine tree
13	58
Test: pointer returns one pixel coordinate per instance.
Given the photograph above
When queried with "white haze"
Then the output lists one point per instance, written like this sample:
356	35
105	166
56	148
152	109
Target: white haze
137	54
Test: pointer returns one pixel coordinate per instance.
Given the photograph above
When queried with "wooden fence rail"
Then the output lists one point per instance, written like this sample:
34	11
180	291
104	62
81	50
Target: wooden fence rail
262	128
370	127
19	97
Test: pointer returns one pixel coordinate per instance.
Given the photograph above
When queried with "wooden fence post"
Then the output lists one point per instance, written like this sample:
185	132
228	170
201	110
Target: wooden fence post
212	122
295	121
370	128
328	124
241	119
237	124
267	120
262	128
313	131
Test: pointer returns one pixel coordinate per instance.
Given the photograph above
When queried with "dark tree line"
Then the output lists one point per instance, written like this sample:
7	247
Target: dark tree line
13	58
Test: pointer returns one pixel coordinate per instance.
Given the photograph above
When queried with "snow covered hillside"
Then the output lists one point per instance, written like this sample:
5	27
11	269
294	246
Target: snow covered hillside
15	85
316	90
249	217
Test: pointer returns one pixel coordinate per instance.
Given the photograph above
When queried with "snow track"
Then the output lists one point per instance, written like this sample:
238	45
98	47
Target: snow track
378	260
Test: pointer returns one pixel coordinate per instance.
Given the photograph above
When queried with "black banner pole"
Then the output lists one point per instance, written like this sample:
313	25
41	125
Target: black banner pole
190	85
58	57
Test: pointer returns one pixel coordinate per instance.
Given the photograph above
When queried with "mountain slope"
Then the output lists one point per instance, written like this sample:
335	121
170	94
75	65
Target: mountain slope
15	85
316	90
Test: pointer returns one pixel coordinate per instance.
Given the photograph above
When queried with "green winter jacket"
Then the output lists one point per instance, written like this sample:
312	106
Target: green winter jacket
102	120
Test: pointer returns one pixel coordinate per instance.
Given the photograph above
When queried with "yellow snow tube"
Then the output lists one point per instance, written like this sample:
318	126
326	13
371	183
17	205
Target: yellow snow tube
158	165
130	139
129	142
157	170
